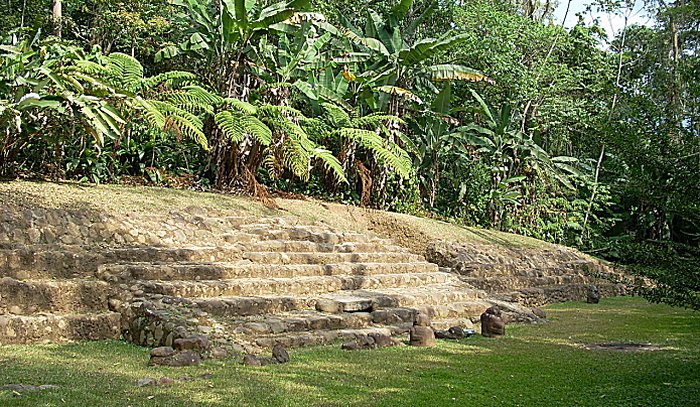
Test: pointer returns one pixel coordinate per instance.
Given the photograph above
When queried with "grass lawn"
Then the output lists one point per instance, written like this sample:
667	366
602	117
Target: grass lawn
536	365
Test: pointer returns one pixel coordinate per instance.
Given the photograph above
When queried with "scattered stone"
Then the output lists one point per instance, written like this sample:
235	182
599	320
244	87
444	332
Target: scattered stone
218	353
422	319
251	360
182	358
193	342
593	295
165	381
367	342
146	381
422	336
162	352
28	387
454	332
280	354
352	345
492	324
539	312
264	361
384	341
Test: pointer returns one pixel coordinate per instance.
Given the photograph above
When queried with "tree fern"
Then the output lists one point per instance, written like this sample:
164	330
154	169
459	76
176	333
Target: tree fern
388	153
374	120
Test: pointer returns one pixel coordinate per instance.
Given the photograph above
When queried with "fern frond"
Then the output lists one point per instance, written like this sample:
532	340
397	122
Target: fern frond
272	165
241	106
168	109
230	124
296	158
125	70
189	129
315	128
337	116
194	98
91	67
170	78
275	110
237	126
330	163
257	129
389	153
154	117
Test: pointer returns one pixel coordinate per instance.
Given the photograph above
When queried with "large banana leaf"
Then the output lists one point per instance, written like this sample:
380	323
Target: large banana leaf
454	72
401	92
429	47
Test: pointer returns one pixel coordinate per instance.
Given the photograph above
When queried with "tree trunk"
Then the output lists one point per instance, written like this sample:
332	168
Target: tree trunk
57	14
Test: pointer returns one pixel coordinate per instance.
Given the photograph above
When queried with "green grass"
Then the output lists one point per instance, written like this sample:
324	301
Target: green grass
534	365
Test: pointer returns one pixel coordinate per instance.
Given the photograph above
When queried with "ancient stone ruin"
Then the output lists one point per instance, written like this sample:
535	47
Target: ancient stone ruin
209	284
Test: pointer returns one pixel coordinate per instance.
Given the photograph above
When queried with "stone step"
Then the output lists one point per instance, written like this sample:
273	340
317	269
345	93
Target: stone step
259	305
55	261
511	283
322	337
299	321
61	261
289	286
329	258
466	301
318	247
247	269
33	296
399	297
314	234
235	222
44	261
21	329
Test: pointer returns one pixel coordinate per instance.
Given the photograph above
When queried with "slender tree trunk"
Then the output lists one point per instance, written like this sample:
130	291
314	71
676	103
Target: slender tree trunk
57	14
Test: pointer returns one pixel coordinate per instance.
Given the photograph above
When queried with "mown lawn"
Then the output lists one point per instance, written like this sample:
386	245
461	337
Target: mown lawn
537	365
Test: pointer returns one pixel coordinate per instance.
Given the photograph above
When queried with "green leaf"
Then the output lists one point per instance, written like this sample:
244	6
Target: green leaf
453	72
429	47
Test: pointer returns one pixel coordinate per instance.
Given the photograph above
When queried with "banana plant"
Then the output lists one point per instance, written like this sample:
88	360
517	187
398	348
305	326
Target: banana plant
390	70
225	37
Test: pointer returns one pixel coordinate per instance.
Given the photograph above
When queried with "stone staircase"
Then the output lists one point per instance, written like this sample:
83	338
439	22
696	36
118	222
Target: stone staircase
249	283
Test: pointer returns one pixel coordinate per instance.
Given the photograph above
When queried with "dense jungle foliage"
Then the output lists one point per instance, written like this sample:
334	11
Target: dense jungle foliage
482	112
